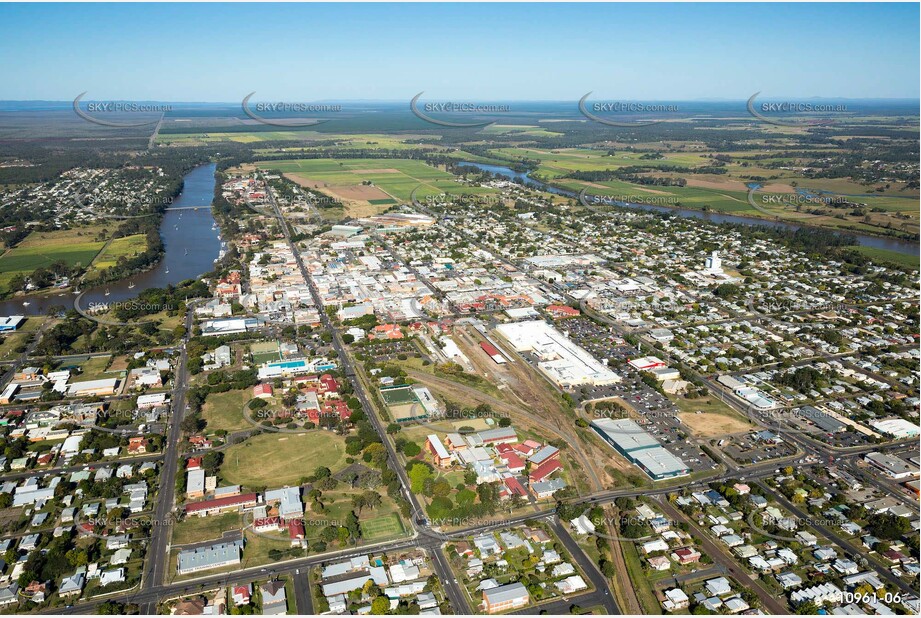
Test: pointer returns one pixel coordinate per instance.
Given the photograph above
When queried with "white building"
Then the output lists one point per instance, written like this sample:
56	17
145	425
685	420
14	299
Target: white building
713	264
566	364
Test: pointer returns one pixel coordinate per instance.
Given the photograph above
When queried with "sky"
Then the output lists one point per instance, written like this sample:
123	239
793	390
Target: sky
472	52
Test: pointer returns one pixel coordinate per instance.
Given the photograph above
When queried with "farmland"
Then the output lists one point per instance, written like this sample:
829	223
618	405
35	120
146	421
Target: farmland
42	249
370	185
887	209
127	246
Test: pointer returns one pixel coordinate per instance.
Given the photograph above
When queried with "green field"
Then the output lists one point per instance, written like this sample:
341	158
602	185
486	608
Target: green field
383	527
344	140
559	163
903	260
74	247
518	129
198	529
93	368
127	246
277	459
397	396
396	177
225	411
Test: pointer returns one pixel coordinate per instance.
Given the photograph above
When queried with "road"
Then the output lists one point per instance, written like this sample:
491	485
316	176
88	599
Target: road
456	596
303	602
856	552
599	581
719	556
158	551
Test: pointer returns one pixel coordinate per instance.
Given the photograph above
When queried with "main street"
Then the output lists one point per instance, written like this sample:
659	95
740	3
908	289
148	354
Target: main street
158	551
452	589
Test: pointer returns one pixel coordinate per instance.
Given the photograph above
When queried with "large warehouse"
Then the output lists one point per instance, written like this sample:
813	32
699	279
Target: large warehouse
640	448
566	364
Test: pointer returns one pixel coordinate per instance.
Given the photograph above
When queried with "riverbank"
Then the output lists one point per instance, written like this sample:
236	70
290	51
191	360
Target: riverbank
191	244
892	249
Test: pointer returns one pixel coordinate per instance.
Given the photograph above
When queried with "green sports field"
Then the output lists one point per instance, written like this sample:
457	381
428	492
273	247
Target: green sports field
384	527
397	396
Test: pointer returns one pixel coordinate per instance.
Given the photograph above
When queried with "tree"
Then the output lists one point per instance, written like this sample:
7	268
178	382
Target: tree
417	476
257	404
111	608
888	526
380	606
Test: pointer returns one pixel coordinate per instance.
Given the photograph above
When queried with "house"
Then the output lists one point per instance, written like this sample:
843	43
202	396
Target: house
274	601
190	607
9	595
718	586
242	594
823	593
137	445
789	580
653	546
112	576
487	545
573	583
504	598
675	599
582	525
73	585
736	605
297	533
659	563
36	591
263	391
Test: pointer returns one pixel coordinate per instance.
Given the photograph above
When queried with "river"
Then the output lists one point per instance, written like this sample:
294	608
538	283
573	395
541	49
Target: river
190	241
879	242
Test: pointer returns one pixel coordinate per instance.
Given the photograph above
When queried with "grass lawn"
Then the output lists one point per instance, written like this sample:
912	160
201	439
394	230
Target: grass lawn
257	548
274	460
376	524
198	529
225	411
94	368
383	527
127	246
638	578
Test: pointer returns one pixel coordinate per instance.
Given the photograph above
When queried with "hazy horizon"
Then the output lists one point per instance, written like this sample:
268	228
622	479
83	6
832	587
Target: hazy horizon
216	53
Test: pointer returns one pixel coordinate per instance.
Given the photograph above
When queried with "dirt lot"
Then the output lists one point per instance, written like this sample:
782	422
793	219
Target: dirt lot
358	192
711	425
